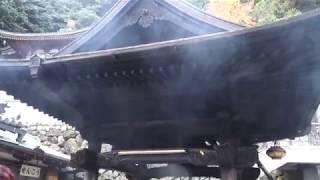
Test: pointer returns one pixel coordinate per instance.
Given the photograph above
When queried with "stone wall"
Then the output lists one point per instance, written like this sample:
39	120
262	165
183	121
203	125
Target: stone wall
59	136
50	131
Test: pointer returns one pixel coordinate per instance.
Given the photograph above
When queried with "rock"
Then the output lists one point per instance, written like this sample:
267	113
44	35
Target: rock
71	146
61	141
34	133
81	175
69	134
20	125
46	128
106	148
32	128
63	128
46	143
84	144
42	132
79	140
43	138
53	140
53	132
105	175
55	147
39	128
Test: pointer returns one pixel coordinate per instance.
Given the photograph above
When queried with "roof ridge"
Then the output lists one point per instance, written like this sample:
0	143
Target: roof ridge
41	36
118	5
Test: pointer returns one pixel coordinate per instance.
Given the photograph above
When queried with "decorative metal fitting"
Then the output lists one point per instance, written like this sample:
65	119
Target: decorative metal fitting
146	19
34	66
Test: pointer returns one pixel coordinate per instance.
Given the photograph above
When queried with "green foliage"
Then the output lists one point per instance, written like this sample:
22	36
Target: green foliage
201	4
29	16
48	15
268	11
8	14
83	18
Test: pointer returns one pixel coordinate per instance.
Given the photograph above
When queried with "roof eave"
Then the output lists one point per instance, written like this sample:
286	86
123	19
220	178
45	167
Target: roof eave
41	36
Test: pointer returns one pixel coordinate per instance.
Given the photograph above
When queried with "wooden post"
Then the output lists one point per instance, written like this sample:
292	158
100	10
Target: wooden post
92	175
229	174
310	173
52	174
95	146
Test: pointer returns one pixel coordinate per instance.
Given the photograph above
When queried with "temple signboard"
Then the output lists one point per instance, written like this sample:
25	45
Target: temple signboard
30	171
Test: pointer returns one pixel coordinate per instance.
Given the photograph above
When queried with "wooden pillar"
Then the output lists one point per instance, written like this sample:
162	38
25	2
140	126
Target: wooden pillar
52	174
229	174
311	173
94	145
92	175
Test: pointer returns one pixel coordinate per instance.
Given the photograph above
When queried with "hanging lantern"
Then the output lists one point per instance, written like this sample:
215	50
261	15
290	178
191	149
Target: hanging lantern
276	152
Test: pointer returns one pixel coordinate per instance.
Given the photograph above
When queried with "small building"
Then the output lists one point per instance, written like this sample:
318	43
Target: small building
27	158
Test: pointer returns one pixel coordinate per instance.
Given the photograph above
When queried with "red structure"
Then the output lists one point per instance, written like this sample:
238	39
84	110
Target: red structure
24	45
6	174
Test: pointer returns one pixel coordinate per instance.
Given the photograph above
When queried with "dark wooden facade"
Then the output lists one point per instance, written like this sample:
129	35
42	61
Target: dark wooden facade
247	86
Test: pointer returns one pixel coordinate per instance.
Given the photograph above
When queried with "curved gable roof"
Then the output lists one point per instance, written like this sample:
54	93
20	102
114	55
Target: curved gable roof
182	13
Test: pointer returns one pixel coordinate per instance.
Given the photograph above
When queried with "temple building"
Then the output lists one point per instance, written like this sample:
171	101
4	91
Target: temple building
179	85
